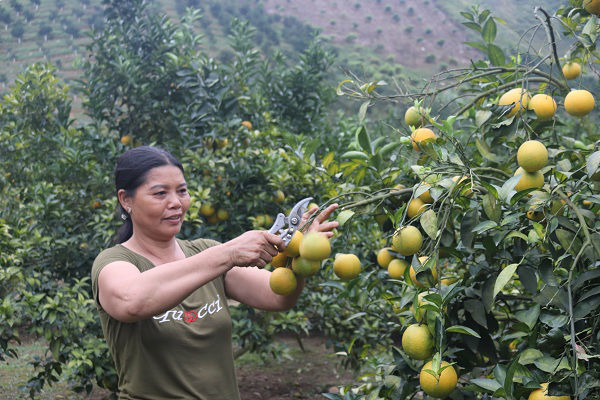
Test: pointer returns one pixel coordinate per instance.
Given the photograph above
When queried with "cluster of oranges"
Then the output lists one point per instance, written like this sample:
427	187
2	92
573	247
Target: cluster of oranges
302	257
417	341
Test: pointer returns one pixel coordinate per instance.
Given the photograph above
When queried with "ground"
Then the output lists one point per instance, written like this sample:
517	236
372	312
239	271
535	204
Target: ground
299	375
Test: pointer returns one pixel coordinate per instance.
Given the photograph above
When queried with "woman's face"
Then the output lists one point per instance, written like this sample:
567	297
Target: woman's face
159	204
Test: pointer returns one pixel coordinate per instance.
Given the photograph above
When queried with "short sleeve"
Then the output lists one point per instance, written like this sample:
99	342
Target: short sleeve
106	257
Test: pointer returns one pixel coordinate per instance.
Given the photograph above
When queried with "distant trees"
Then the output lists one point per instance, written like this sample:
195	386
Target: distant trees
18	30
18	7
45	31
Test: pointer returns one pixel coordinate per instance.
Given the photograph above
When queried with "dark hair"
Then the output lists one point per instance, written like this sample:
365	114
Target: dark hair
131	171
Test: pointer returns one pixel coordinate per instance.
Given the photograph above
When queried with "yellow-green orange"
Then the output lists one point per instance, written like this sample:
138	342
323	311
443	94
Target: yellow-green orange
207	209
519	97
529	180
384	257
432	275
592	6
413	117
222	215
543	106
571	70
415	208
407	241
417	342
579	102
293	247
535	213
346	266
426	195
438	388
542	394
466	191
396	268
283	281
305	268
315	246
532	155
420	135
280	260
418	312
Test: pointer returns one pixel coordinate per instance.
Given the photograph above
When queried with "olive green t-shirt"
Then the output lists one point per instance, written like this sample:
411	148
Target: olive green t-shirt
184	353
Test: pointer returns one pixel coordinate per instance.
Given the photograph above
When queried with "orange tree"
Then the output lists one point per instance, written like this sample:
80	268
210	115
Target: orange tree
504	191
240	148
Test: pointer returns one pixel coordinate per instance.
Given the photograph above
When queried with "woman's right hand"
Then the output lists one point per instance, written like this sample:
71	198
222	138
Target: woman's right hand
253	249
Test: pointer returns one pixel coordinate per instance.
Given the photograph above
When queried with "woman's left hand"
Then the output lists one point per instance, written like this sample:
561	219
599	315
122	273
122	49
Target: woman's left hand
320	223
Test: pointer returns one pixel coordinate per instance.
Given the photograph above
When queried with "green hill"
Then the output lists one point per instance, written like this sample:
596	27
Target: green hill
403	39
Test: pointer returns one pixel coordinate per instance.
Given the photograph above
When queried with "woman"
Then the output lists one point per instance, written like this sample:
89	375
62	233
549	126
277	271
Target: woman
163	301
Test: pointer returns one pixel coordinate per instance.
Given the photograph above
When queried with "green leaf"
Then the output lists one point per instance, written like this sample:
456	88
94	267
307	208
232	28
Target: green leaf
472	25
362	113
496	55
355	155
528	356
344	216
488	384
504	277
489	31
484	226
552	365
485	150
463	329
508	187
363	139
429	223
388	148
593	164
529	316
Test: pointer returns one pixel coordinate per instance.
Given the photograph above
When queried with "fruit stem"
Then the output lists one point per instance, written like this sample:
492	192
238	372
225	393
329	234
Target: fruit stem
551	38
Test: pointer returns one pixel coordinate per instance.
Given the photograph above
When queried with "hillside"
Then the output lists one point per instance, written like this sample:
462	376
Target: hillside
403	39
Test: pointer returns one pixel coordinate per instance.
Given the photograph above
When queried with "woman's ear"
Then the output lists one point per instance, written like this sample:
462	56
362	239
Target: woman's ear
124	199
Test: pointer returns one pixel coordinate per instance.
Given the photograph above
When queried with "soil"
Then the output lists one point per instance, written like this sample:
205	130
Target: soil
310	373
298	374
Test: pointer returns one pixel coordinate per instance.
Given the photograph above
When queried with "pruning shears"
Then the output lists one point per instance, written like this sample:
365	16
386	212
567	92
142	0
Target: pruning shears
292	221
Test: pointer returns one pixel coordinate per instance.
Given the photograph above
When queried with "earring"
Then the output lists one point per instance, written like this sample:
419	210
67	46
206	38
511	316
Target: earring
124	217
129	210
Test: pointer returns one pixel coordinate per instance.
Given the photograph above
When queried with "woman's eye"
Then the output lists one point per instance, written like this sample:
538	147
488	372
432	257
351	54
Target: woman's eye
160	193
183	191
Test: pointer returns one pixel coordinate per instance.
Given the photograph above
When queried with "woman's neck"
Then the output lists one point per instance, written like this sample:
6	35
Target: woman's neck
159	252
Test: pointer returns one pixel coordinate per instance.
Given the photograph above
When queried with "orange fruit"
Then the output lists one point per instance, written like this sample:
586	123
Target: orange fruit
247	124
305	268
529	180
415	208
519	97
384	257
293	247
315	246
127	140
283	281
571	70
439	387
346	266
425	197
396	268
466	191
532	155
420	135
542	394
579	102
432	277
417	342
279	197
207	209
280	260
413	117
418	312
592	6
543	106
407	241
222	215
